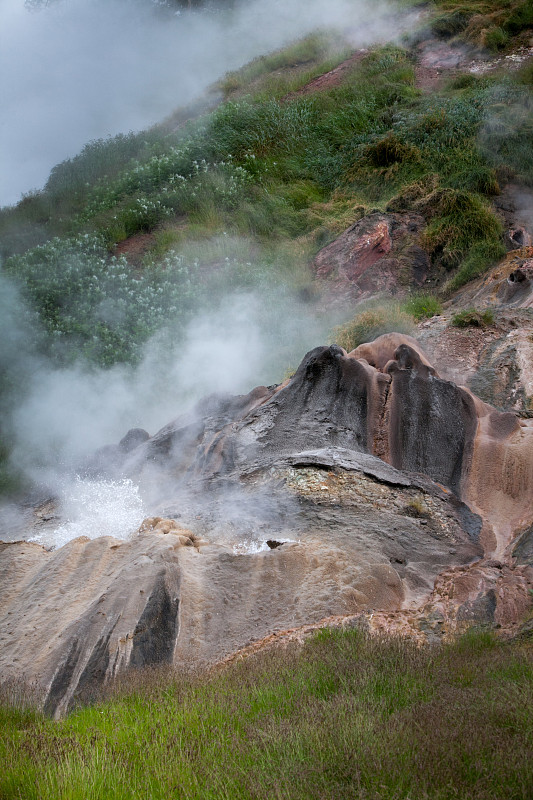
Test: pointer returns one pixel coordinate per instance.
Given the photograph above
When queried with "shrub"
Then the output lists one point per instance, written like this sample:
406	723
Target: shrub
451	24
472	318
496	39
422	306
520	17
99	307
371	323
465	80
416	507
480	179
100	159
390	150
459	222
480	257
413	192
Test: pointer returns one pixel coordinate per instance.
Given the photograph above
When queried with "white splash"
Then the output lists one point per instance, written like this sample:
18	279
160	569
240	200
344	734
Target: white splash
95	508
252	546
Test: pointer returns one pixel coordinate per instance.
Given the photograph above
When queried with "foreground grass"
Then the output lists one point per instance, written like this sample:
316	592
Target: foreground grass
344	717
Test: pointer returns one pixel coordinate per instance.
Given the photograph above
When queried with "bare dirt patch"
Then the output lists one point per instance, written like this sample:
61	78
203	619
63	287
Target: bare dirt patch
135	248
329	79
436	62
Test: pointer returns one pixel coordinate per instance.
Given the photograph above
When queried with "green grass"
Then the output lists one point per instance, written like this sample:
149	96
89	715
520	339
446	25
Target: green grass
496	39
100	308
316	53
459	222
344	717
489	23
472	318
374	320
422	306
280	171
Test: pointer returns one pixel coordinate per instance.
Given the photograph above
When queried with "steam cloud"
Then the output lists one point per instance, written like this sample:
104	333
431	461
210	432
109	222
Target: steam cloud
61	415
57	417
84	69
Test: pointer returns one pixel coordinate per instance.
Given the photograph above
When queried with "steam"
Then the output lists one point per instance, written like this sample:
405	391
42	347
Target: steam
505	138
60	416
522	199
85	69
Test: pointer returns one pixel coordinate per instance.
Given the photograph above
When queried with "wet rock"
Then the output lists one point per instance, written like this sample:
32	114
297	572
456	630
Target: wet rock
509	284
133	439
480	611
523	549
75	617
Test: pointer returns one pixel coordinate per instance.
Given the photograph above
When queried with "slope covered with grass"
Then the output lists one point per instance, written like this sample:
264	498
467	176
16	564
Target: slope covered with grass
344	717
271	171
138	232
283	170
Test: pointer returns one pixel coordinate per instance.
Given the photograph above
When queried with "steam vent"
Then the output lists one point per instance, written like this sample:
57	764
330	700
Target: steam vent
365	490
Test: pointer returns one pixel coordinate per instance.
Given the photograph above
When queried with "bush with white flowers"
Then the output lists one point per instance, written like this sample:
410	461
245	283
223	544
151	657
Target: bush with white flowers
100	307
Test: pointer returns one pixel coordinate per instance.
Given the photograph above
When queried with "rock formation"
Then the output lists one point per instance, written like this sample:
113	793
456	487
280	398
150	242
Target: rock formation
389	497
379	254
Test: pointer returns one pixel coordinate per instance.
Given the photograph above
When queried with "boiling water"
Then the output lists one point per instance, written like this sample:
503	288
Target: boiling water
250	546
95	508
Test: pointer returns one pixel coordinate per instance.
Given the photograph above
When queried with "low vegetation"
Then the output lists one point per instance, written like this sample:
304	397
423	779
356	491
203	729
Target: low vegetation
371	322
487	23
386	316
97	307
472	318
269	167
345	717
423	306
416	508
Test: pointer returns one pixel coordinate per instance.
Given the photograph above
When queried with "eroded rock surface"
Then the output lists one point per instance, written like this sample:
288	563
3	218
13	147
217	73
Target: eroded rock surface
509	284
385	493
379	254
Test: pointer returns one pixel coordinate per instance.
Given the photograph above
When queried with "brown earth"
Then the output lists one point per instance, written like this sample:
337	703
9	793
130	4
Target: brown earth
437	62
329	79
379	254
135	247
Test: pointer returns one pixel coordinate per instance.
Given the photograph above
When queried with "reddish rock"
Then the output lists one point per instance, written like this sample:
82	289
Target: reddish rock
379	253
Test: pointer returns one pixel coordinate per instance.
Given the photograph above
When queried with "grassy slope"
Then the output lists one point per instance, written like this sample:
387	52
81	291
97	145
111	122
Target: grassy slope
346	717
269	180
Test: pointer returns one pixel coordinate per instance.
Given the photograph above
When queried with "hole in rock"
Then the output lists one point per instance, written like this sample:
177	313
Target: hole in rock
517	276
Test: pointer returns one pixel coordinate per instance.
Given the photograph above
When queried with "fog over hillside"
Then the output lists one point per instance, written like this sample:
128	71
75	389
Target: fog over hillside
77	70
